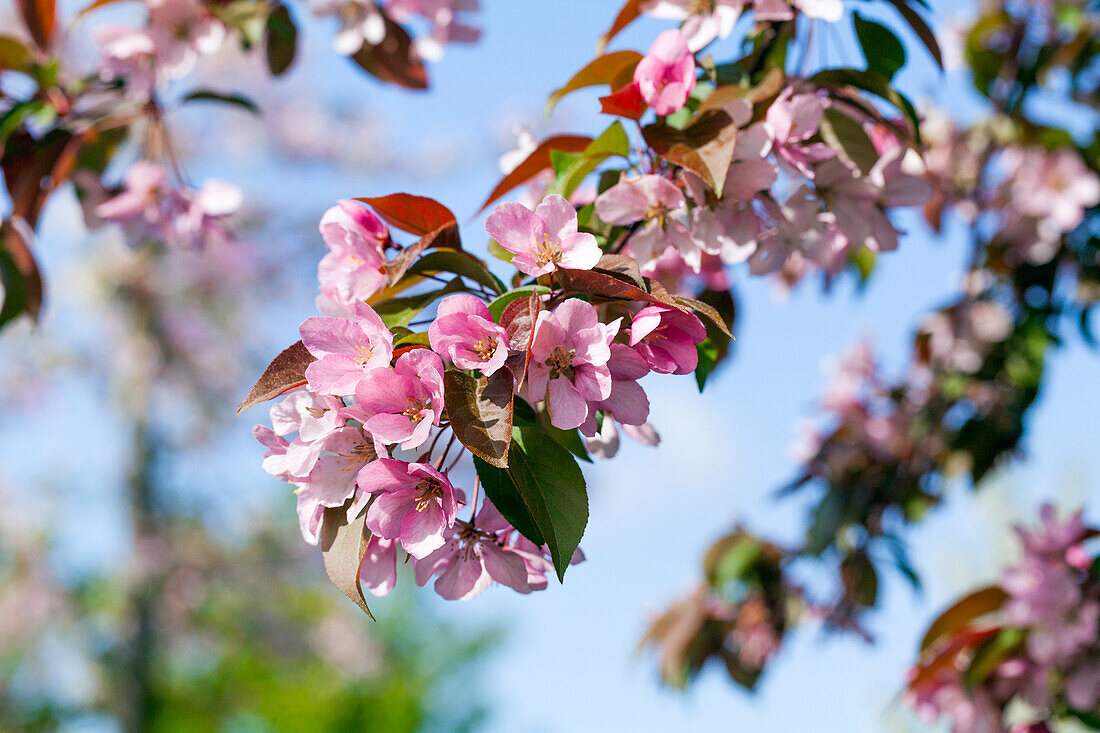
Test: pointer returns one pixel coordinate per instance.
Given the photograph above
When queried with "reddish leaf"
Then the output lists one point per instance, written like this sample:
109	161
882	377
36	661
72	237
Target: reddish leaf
97	4
627	102
480	411
769	87
445	236
40	16
603	285
33	168
626	16
18	272
343	546
394	60
946	658
962	612
14	55
417	215
285	372
705	309
537	162
615	69
704	146
402	350
518	319
622	266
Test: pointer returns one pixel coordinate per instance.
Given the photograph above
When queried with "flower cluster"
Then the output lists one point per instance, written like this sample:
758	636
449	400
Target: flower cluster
365	23
370	434
1034	640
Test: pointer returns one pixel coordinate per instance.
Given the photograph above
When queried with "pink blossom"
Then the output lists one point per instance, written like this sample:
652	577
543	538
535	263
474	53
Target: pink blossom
343	452
702	22
413	503
346	349
182	29
568	368
666	339
352	269
443	15
627	402
543	239
666	75
310	513
792	119
660	205
378	573
605	443
400	404
129	55
464	332
1056	188
274	461
828	10
853	201
800	228
310	415
361	22
145	186
729	227
474	556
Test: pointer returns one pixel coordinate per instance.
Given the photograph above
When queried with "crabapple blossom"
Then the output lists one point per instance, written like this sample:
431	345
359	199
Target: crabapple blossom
800	229
182	30
543	239
345	349
331	481
129	55
666	338
352	269
361	22
443	15
702	21
399	405
1056	188
661	207
666	75
413	503
792	120
827	10
464	332
310	415
627	403
568	368
378	573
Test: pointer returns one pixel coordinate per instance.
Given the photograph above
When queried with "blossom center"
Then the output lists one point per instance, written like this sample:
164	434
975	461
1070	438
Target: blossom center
485	347
659	214
427	490
365	353
356	456
561	362
317	412
702	7
415	410
547	251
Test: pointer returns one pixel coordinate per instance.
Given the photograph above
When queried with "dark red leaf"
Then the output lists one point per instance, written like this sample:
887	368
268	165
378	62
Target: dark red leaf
537	162
480	411
394	60
19	273
417	215
285	372
626	102
518	319
704	146
40	17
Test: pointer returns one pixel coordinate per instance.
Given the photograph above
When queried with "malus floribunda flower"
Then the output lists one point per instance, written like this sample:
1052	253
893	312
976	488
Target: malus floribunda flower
703	22
400	404
666	339
464	332
666	75
352	270
413	504
346	349
543	239
658	203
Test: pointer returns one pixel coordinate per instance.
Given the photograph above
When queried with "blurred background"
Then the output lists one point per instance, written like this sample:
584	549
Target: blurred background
152	575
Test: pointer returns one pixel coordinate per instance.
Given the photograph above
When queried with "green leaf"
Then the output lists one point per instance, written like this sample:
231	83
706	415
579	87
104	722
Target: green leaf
499	252
884	53
874	83
343	547
280	40
709	355
403	311
480	412
569	439
542	493
962	612
497	306
459	263
989	656
237	100
848	138
611	142
14	56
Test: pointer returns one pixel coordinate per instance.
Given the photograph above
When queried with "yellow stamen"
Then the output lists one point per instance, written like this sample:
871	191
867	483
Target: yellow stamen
547	251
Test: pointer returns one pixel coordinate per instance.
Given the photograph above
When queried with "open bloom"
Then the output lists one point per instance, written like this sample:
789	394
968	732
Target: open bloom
666	75
401	404
568	368
464	332
666	339
343	452
1054	187
473	557
352	269
414	504
658	203
544	238
129	55
792	119
182	29
627	402
703	21
144	188
378	572
346	349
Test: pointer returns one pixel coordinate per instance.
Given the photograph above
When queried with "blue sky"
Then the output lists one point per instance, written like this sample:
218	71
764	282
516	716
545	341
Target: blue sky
568	662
